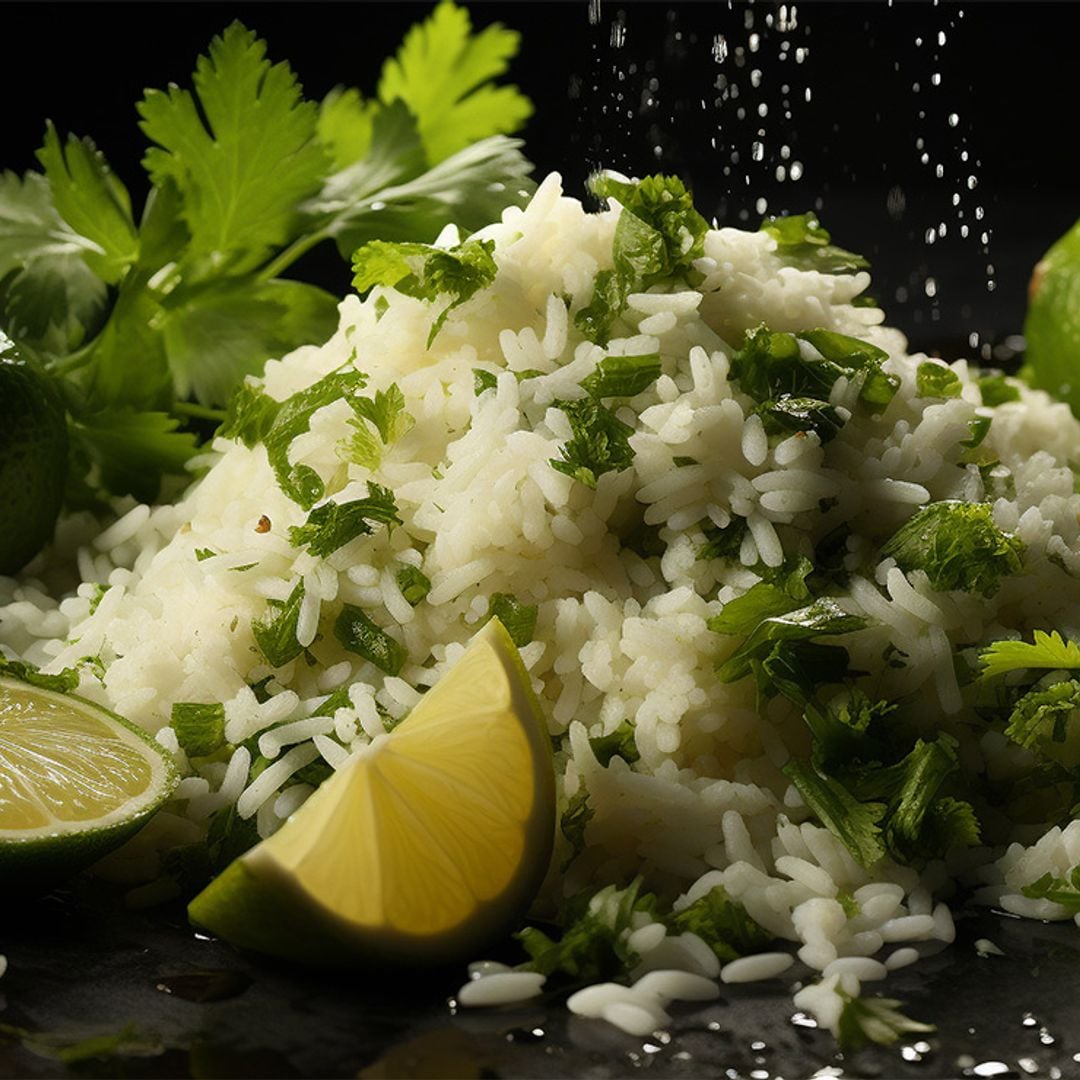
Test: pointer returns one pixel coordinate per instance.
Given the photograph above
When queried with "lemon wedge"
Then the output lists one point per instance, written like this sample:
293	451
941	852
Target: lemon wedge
426	844
75	782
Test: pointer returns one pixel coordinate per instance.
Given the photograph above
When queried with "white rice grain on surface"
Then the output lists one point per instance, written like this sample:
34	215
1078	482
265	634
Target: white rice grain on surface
501	988
754	968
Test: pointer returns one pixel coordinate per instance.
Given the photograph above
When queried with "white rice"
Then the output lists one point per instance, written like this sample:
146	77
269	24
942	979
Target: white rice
619	635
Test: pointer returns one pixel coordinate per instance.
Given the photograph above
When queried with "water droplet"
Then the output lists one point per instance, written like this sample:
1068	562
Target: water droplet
719	48
954	119
757	151
935	79
753	42
939	170
972	183
991	1068
761	205
781	173
594	12
930	287
763	110
795	171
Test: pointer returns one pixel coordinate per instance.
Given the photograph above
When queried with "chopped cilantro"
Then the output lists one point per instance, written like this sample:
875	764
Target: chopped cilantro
427	272
936	380
301	482
855	823
361	635
483	380
1064	890
333	525
996	390
1045	714
788	414
591	946
769	366
803	242
378	422
979	427
1047	650
202	554
600	442
659	234
62	682
623	376
519	619
573	822
200	729
617	743
958	546
874	1020
723	543
723	924
413	584
250	416
276	633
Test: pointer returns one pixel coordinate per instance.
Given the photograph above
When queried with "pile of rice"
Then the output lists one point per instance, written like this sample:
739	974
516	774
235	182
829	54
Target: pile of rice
618	635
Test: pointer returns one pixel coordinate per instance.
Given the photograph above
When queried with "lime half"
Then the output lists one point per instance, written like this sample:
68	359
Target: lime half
75	782
424	846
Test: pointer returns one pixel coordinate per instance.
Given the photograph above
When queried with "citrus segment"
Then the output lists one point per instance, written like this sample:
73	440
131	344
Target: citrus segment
75	780
425	843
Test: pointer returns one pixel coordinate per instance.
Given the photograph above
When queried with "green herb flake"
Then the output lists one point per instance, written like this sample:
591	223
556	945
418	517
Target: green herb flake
300	482
427	272
623	376
333	525
723	924
573	822
276	633
599	443
1063	890
413	583
958	546
803	242
202	554
937	381
361	635
63	682
617	743
1044	715
877	1020
519	619
200	729
788	414
997	389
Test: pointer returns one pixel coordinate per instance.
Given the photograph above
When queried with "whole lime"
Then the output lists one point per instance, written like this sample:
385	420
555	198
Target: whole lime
33	458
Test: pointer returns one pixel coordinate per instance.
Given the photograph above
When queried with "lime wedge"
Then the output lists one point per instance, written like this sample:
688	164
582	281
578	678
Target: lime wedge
1052	328
425	845
75	782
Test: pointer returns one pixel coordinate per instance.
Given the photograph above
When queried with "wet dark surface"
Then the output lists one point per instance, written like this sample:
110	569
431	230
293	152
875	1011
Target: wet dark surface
177	1005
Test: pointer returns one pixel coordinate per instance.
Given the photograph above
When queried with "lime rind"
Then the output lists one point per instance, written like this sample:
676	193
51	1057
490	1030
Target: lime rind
258	903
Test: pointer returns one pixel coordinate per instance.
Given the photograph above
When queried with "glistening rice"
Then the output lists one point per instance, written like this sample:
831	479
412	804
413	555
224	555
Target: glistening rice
621	592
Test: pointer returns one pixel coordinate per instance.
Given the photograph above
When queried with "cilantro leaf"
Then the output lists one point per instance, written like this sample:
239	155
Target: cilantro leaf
617	743
622	376
925	770
62	682
442	73
300	482
200	728
599	443
936	380
788	414
1044	715
242	158
723	924
276	633
346	125
387	415
361	635
413	583
770	366
996	390
853	822
49	296
958	546
427	272
589	947
223	334
874	1020
803	242
1048	650
251	415
658	234
723	543
1064	890
131	449
517	618
333	525
92	200
573	822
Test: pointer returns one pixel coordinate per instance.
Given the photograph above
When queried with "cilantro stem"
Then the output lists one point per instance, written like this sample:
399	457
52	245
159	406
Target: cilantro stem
75	360
284	259
198	412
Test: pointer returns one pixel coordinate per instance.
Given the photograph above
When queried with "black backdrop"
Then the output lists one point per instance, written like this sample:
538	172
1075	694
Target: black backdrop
937	139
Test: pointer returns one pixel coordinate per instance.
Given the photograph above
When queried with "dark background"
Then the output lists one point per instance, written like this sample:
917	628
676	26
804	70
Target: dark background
938	139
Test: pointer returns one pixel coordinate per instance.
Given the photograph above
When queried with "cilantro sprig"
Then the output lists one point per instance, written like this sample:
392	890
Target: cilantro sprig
150	317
